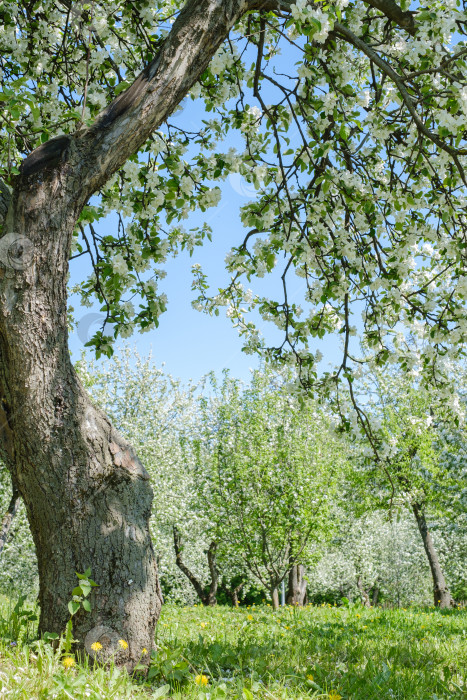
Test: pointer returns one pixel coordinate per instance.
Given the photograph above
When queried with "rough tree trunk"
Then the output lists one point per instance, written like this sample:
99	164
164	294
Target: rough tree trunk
9	516
275	598
364	595
441	593
296	590
375	596
207	597
87	496
234	593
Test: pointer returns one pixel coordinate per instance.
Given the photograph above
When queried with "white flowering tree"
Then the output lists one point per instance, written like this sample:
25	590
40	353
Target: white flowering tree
425	470
358	159
18	563
373	559
268	467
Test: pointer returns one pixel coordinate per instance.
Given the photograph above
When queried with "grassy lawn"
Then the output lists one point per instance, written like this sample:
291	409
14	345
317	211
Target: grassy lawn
316	652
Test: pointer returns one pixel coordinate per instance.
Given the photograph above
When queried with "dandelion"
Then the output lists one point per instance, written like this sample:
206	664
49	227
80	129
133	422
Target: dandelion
203	625
68	662
201	680
96	646
123	643
334	695
309	677
250	617
144	651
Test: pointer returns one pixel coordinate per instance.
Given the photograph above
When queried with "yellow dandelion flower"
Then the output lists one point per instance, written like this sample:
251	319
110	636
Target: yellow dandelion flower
201	680
334	695
144	651
250	617
203	625
123	643
96	646
310	677
68	662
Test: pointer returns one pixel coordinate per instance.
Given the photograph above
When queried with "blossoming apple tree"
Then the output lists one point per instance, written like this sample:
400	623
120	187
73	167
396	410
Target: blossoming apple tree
356	146
425	471
268	467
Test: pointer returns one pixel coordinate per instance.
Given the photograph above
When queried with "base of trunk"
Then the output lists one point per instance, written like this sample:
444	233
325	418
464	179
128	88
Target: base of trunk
296	592
92	512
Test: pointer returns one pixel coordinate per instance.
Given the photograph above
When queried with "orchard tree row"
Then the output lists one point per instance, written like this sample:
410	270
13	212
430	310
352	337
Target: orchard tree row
259	486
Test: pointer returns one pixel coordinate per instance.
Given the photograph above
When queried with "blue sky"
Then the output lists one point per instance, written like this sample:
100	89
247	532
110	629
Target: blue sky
191	343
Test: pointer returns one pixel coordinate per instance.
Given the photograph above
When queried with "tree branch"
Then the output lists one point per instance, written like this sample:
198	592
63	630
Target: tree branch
94	154
126	124
389	8
405	20
399	82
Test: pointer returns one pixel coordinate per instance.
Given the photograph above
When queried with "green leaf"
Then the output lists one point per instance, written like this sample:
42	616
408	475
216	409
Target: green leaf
87	605
153	672
86	588
73	607
161	692
50	636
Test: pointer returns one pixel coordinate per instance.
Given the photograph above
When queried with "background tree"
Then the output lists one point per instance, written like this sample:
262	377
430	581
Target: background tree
268	466
161	418
414	425
18	562
373	559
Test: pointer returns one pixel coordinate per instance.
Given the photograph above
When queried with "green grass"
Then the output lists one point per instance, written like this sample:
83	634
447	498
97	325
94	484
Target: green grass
360	654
